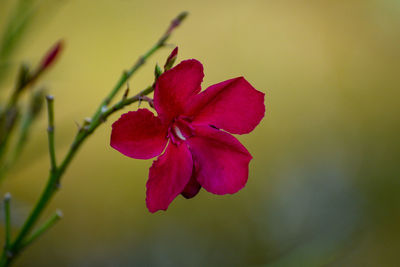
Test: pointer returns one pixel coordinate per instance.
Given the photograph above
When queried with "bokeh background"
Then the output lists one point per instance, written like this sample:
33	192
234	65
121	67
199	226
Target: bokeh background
324	185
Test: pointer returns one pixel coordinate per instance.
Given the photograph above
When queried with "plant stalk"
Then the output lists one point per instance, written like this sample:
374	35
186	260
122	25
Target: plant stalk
101	114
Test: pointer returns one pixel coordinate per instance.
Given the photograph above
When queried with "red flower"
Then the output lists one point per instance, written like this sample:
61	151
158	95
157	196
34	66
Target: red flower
198	153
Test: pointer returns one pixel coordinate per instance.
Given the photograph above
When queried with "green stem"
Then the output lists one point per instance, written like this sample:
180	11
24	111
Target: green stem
26	124
9	115
50	132
8	120
54	178
126	75
31	114
98	118
7	219
46	226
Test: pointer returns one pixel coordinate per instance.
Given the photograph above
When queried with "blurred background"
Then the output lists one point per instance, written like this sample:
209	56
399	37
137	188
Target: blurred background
324	187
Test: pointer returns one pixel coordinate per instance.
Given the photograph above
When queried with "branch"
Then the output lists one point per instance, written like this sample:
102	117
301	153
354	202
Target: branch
46	226
102	112
141	61
50	132
7	220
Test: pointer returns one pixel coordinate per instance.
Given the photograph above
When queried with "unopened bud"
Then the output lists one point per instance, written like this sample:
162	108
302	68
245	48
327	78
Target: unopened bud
177	21
157	71
51	55
171	59
36	102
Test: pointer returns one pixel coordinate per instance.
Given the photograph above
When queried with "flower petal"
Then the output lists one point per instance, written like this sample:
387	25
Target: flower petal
168	176
233	105
221	161
175	87
139	134
192	188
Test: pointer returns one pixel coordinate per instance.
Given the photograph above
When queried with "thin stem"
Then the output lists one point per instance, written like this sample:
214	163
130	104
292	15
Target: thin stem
50	132
140	62
8	121
127	101
54	178
17	24
46	226
98	118
26	125
25	79
8	116
7	219
31	114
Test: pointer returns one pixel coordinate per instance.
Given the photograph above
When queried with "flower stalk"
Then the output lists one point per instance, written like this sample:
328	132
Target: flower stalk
7	220
50	132
57	171
44	228
9	116
140	62
34	109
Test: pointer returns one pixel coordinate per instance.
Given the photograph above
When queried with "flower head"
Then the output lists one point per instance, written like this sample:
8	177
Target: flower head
193	129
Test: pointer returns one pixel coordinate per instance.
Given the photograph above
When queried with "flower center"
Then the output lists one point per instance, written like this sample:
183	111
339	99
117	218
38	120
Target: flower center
178	133
180	130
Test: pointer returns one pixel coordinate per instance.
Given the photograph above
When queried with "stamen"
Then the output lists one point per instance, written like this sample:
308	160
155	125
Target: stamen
179	133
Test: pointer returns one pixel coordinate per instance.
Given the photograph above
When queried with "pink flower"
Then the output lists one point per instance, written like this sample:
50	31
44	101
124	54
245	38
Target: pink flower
193	129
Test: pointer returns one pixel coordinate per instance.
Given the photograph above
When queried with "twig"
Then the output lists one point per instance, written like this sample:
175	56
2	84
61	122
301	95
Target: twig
7	220
141	61
50	132
34	109
46	226
25	79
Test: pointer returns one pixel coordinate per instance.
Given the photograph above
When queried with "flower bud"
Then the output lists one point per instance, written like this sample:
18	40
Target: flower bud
157	71
177	21
36	102
171	59
51	55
